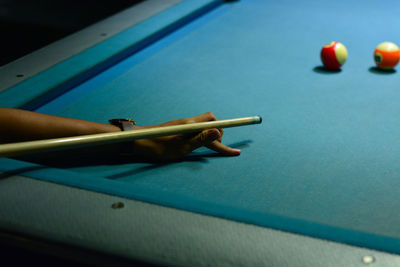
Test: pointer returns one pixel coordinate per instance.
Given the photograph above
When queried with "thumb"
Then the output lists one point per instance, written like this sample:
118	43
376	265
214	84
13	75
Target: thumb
204	138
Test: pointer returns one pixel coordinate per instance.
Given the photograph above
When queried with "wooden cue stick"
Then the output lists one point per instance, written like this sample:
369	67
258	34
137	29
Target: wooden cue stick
15	149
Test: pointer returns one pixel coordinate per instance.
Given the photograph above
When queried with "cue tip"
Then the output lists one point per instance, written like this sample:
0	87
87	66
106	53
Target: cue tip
257	119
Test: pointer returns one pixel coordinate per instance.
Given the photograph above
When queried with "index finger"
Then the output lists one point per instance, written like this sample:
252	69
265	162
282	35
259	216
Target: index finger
208	116
224	149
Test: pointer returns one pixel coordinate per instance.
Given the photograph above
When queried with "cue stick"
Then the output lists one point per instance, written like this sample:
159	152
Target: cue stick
29	147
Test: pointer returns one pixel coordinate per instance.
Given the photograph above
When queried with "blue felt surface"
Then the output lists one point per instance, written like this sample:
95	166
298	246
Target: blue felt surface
60	78
325	160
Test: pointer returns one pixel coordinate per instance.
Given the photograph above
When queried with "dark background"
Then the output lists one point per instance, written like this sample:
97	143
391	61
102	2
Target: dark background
27	25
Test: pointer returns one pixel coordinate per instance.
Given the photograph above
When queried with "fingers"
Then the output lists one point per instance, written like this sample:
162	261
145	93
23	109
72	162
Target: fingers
208	116
210	139
223	149
221	131
204	138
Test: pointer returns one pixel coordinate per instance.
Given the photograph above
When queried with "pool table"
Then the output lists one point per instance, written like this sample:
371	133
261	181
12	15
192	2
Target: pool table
317	184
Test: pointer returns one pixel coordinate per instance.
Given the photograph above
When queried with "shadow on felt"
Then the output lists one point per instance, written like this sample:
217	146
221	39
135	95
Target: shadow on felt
198	157
322	70
376	70
58	161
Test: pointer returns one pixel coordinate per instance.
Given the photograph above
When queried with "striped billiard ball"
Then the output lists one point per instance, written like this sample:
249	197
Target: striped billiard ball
333	55
387	55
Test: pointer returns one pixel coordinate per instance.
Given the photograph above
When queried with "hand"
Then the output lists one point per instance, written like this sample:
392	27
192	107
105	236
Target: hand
175	147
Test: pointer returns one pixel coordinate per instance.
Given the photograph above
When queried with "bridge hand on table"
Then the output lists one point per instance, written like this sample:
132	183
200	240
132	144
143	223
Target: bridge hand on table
174	147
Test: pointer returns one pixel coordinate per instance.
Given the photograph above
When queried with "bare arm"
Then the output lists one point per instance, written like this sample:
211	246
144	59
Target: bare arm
20	125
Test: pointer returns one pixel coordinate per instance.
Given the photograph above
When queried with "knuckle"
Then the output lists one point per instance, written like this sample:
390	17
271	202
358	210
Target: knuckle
203	137
183	121
178	121
210	116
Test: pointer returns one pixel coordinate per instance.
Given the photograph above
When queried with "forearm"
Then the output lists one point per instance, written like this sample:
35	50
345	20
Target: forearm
20	125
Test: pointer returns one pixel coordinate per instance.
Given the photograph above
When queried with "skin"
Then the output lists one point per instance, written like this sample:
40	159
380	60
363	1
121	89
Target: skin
20	125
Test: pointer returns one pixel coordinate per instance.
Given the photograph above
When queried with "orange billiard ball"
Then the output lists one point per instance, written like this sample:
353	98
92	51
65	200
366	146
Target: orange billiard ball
333	55
387	55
